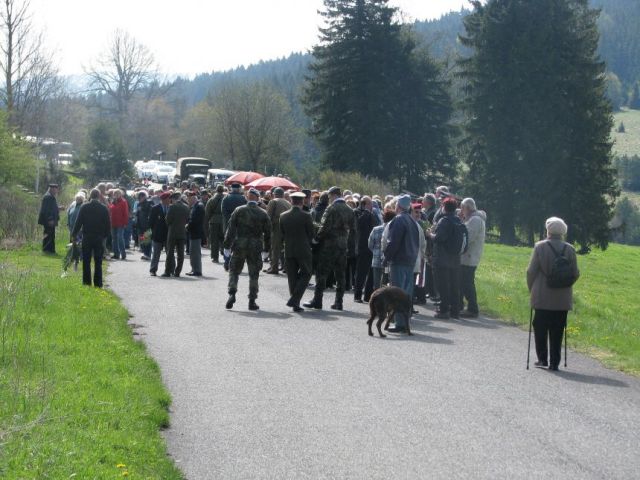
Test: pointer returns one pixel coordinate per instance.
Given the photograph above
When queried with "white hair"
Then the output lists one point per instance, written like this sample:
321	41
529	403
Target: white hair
556	226
470	203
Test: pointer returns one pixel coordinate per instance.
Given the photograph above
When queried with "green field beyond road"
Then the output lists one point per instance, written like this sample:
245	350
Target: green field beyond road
627	143
79	398
606	320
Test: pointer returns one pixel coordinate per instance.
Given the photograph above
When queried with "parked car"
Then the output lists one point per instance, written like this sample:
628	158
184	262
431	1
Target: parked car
161	173
217	175
145	168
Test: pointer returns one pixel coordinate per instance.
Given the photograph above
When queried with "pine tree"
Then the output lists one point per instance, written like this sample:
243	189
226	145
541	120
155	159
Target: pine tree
634	101
376	101
621	128
534	68
106	158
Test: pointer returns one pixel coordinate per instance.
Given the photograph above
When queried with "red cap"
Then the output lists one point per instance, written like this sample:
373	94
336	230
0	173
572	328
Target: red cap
165	195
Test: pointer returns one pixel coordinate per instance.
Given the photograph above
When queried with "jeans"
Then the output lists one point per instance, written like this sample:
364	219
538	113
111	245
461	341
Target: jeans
128	232
117	242
468	288
401	276
377	273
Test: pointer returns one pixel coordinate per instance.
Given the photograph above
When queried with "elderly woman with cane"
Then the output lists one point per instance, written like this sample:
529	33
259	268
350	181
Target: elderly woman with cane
552	271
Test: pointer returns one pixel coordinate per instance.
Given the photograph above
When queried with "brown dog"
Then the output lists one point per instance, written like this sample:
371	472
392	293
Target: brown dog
384	303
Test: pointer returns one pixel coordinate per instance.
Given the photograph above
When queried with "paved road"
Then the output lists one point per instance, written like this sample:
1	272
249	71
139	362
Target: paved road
279	395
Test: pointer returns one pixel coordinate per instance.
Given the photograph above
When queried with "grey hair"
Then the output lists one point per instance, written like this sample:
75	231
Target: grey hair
470	203
95	194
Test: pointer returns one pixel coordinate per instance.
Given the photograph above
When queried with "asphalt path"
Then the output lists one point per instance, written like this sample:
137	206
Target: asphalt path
274	394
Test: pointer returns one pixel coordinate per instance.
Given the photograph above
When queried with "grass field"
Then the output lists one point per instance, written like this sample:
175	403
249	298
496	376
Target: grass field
606	319
627	143
79	398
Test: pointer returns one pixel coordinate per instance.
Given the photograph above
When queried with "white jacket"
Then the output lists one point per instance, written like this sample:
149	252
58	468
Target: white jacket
476	228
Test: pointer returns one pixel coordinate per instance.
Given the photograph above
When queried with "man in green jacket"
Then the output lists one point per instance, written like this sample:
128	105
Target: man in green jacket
213	216
247	238
177	218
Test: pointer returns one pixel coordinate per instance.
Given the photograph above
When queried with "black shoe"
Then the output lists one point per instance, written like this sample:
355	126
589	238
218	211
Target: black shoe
214	260
176	275
553	368
442	316
541	364
165	275
298	309
153	274
253	305
468	314
414	312
226	267
397	330
336	306
193	274
291	303
231	301
358	300
317	304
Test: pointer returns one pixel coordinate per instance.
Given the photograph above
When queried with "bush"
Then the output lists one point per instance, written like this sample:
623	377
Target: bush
18	217
323	179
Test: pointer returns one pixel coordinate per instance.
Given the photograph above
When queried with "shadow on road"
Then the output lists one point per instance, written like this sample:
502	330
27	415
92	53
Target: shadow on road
419	337
265	314
592	379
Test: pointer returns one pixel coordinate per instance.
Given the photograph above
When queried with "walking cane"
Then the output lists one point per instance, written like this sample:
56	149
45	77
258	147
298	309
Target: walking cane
529	347
565	345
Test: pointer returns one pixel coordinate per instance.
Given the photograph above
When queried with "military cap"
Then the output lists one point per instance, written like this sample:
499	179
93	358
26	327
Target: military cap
255	192
278	191
297	195
307	192
335	191
54	185
235	186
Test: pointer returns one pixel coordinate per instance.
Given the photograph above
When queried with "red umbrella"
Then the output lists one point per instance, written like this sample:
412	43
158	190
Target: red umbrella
267	183
243	178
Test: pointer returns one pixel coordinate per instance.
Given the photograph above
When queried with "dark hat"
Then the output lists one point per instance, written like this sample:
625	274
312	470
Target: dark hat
54	185
306	191
165	195
253	191
278	191
335	191
236	186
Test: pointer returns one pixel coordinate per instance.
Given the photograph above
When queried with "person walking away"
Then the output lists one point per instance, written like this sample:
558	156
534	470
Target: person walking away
195	228
49	217
72	212
446	261
233	200
474	220
119	210
418	270
143	214
277	206
551	303
177	218
375	246
338	220
364	277
213	218
94	223
401	252
247	240
296	228
159	230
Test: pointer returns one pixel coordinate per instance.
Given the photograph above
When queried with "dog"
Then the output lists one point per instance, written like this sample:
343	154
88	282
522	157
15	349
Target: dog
384	303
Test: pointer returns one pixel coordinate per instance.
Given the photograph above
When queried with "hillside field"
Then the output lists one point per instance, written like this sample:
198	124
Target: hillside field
627	143
606	320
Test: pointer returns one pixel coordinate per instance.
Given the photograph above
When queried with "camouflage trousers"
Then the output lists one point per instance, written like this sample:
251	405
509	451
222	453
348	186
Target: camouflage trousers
253	258
331	259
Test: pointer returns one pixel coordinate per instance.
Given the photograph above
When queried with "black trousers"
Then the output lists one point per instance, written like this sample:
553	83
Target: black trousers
364	276
92	247
448	279
548	326
49	239
170	265
298	275
468	288
350	273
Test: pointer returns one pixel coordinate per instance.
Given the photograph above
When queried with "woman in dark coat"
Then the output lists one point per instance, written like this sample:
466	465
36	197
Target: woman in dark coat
551	305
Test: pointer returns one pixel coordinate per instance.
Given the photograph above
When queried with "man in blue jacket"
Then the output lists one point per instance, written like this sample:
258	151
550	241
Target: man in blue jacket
401	252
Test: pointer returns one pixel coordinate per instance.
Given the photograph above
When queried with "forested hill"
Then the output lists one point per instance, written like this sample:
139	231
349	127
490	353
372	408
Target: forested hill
619	46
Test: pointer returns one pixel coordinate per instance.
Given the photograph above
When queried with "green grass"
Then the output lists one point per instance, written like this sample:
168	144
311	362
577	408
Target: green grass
627	143
79	398
606	320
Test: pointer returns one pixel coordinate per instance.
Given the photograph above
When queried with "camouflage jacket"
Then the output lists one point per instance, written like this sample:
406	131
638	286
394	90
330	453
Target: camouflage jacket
338	220
249	228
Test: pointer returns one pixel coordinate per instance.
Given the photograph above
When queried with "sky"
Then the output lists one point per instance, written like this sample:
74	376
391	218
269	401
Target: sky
194	36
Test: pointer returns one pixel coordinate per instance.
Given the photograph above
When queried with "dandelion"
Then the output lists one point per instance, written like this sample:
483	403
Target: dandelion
125	474
121	465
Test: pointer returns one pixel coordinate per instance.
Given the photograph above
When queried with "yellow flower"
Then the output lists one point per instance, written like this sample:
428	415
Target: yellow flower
120	465
125	474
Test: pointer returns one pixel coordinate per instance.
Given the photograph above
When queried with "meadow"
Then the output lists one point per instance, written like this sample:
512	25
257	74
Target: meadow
627	143
605	322
79	397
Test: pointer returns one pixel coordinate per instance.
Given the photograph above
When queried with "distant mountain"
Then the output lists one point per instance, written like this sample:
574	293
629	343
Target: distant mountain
619	46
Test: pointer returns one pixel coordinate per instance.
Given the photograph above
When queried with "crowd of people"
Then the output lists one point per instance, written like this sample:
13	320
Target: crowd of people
355	243
430	247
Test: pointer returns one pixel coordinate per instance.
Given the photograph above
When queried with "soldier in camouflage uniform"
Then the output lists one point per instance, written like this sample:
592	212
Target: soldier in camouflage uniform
338	220
248	235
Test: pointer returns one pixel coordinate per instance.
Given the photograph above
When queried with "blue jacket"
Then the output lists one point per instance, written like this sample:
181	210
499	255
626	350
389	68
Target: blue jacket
403	242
